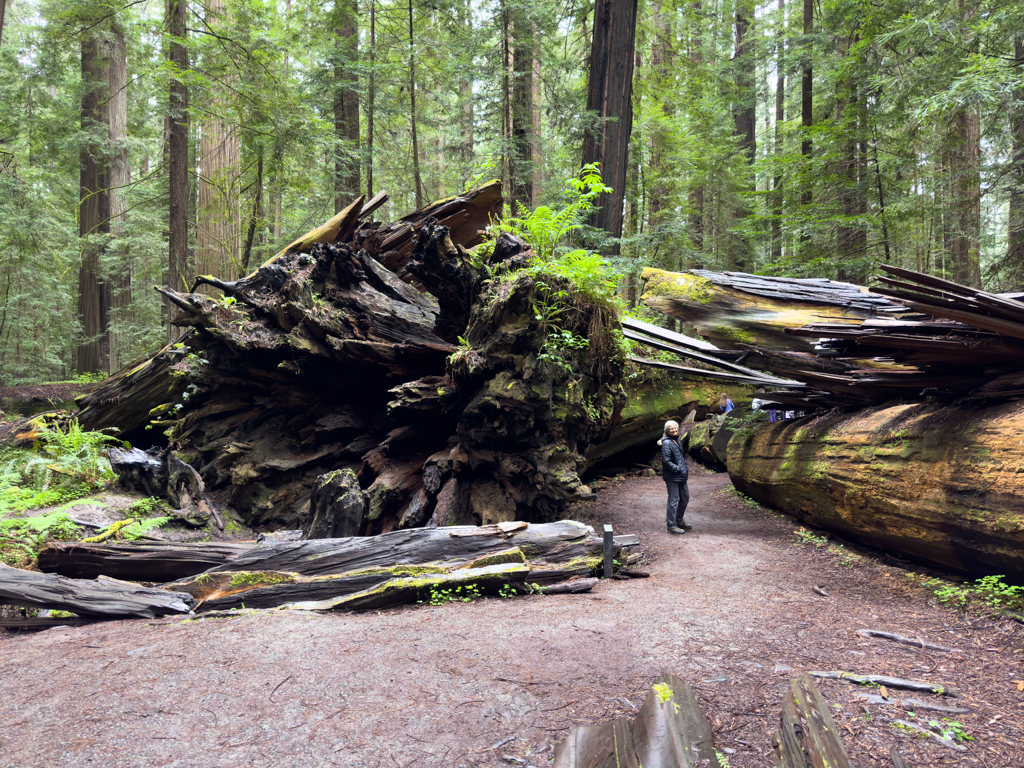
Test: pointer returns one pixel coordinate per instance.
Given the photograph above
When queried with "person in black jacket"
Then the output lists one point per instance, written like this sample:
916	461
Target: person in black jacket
675	473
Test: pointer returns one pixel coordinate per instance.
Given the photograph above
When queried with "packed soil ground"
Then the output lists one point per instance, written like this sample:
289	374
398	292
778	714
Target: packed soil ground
729	607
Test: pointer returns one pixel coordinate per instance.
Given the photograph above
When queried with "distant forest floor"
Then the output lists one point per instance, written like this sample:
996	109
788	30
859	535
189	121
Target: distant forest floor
729	607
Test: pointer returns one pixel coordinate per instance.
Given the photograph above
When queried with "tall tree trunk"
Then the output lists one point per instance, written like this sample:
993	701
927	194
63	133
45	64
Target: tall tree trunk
3	12
177	153
412	114
256	217
120	176
346	106
506	95
218	226
465	11
610	96
745	121
521	153
697	212
371	98
851	237
538	158
662	67
807	105
1015	237
964	153
780	118
94	209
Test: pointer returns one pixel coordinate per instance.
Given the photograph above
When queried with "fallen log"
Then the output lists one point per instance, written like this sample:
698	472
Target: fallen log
925	731
569	587
807	736
104	597
935	483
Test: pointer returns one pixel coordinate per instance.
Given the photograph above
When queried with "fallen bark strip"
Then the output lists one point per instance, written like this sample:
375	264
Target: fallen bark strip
488	580
26	622
930	734
898	761
103	597
807	735
669	730
911	705
915	642
569	587
889	682
159	563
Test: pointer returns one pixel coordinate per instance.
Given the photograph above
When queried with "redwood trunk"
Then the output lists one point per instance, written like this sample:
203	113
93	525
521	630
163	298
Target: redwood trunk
177	278
346	106
609	97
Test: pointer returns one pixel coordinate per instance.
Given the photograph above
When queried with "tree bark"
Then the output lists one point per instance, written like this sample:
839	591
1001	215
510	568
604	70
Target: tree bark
963	153
218	229
807	107
521	151
697	213
178	155
346	105
121	276
371	98
94	210
412	113
1015	234
609	97
780	118
745	121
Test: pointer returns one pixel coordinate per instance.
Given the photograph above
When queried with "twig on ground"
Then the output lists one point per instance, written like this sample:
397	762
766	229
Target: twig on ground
891	682
915	642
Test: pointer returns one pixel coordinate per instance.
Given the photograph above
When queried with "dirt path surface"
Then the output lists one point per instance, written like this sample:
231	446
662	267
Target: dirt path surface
729	607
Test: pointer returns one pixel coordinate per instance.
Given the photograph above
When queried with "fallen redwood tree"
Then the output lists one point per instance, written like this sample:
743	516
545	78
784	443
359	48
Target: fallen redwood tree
938	483
325	393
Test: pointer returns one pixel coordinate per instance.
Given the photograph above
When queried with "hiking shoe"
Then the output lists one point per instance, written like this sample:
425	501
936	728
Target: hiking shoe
686	526
674	529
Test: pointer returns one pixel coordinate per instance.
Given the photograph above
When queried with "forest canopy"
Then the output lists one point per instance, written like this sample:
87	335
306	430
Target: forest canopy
143	143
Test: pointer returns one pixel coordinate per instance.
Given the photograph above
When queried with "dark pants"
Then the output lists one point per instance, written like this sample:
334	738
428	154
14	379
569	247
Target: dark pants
678	498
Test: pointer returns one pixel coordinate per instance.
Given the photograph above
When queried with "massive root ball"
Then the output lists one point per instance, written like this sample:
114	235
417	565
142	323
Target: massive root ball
326	393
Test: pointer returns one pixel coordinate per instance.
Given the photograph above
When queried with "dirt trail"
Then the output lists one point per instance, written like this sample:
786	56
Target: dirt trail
729	607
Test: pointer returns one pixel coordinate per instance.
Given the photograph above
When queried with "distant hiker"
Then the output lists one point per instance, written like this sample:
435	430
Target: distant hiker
675	473
725	404
757	402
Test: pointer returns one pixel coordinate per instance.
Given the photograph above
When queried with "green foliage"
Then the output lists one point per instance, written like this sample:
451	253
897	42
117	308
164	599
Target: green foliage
21	539
804	536
463	594
148	507
988	591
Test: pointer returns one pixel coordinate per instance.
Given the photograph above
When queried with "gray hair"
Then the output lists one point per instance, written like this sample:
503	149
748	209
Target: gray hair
668	424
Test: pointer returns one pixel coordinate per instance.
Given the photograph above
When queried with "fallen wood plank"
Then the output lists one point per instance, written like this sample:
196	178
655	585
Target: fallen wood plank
915	642
912	705
603	746
898	760
104	597
930	734
889	682
807	736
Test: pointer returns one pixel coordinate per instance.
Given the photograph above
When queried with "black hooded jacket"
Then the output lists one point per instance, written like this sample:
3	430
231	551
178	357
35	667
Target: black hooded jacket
673	462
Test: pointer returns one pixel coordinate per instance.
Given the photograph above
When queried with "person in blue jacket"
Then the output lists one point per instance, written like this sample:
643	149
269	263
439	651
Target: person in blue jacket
725	404
675	474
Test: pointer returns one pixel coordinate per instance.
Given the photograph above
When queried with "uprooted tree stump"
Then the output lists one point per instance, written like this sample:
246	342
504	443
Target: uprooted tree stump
325	393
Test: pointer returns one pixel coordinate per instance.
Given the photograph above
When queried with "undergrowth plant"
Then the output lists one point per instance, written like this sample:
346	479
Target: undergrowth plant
575	287
464	594
986	592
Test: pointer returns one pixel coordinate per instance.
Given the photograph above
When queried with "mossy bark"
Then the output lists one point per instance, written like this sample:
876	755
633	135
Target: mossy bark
942	484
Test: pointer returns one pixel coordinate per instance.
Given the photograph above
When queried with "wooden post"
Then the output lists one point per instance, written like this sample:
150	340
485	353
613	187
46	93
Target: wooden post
609	548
